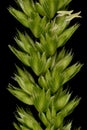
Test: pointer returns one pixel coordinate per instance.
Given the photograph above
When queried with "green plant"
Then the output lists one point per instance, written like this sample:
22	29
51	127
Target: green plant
44	53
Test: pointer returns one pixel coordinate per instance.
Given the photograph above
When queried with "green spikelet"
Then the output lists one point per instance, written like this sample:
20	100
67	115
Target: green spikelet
50	64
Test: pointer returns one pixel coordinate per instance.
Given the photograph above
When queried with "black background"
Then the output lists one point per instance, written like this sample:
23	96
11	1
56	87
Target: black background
78	43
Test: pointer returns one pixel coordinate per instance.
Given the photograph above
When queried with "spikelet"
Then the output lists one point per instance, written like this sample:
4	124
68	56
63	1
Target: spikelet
50	64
